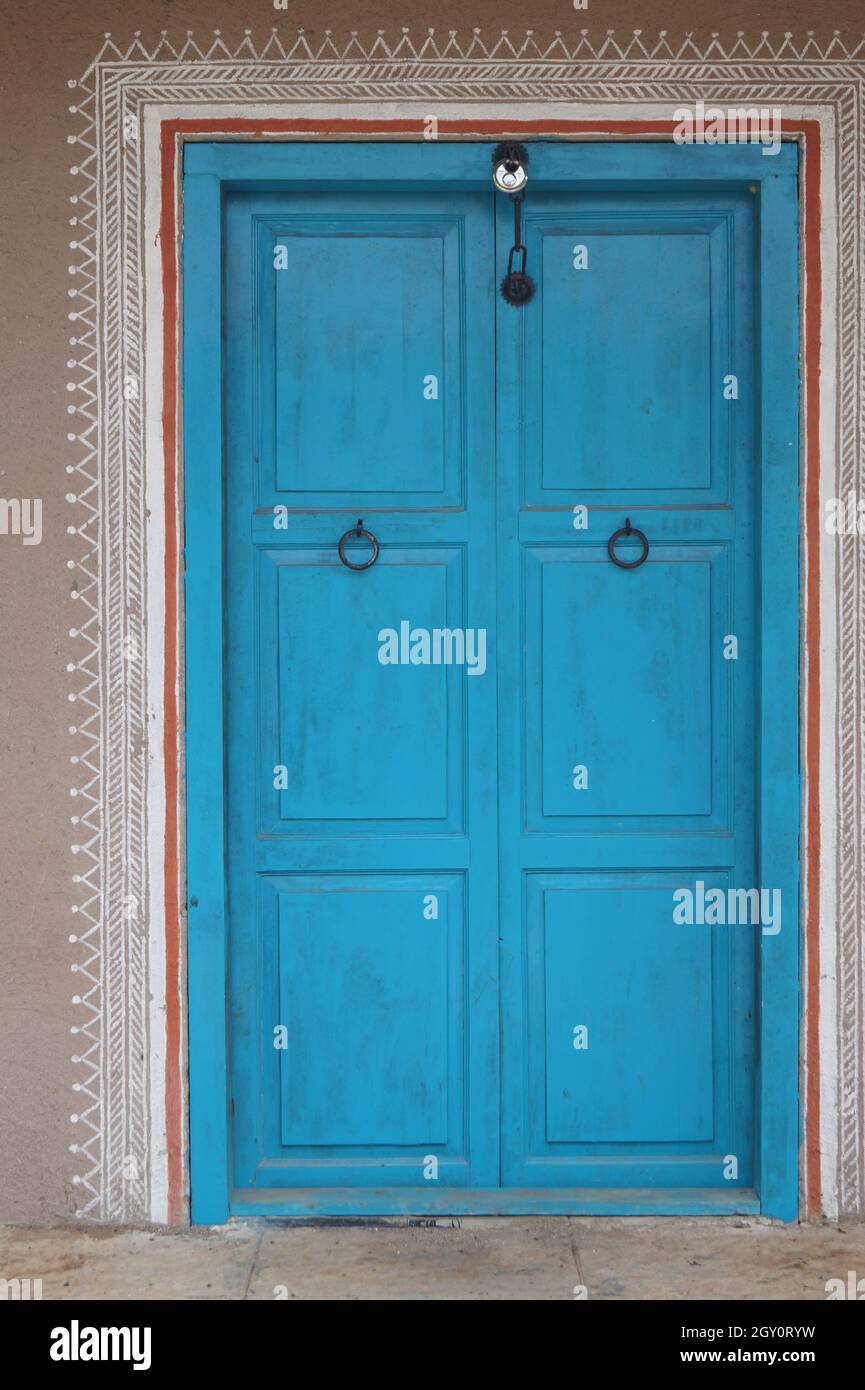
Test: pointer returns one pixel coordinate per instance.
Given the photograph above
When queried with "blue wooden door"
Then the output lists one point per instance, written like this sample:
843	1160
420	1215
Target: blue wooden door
627	738
362	836
461	795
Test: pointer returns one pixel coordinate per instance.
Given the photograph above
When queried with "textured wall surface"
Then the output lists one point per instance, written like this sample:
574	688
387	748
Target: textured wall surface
43	48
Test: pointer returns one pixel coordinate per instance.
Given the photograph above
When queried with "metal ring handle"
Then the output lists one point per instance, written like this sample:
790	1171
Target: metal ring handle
357	532
628	530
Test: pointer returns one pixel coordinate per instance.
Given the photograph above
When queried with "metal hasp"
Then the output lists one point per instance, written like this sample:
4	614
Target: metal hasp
510	175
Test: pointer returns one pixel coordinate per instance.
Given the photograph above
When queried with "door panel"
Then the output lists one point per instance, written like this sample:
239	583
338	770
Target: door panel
627	741
643	996
367	310
373	1011
360	438
345	771
647	709
362	840
625	352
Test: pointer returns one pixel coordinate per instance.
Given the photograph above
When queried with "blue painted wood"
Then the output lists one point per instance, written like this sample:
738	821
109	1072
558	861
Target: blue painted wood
207	939
414	1201
779	824
600	949
390	788
350	968
673	746
364	445
657	413
556	163
303	594
363	876
627	741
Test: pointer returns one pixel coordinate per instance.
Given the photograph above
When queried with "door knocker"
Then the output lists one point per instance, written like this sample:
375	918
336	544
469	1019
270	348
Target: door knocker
628	530
510	175
357	532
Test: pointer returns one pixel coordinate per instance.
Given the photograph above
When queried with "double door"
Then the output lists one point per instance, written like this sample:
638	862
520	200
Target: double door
466	785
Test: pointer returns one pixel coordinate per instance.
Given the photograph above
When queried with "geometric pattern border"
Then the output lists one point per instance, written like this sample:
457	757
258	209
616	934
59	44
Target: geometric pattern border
111	1120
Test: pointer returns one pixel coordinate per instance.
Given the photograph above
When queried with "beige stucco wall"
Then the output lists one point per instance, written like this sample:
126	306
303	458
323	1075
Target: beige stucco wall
44	45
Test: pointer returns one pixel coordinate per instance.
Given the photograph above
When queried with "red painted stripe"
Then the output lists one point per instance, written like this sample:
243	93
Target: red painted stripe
811	673
410	127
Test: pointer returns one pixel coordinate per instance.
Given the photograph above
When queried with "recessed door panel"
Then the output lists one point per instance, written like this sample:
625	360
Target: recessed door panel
372	1011
650	410
625	358
398	769
322	631
627	1019
630	727
361	373
362	319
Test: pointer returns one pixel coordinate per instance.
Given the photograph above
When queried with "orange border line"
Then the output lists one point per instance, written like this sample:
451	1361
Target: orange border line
810	356
172	130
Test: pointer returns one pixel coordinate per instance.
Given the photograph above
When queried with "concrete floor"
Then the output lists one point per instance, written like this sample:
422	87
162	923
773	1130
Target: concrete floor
468	1258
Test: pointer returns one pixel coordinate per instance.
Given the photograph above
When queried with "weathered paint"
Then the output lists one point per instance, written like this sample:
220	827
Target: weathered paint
193	1111
695	1201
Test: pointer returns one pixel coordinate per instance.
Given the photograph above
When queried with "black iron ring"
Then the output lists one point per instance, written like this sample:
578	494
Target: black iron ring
358	531
628	530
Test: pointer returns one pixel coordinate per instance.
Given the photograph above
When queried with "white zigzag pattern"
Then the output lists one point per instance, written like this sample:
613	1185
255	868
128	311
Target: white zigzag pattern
502	48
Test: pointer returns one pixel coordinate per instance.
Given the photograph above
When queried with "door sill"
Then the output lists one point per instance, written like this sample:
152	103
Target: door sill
564	1201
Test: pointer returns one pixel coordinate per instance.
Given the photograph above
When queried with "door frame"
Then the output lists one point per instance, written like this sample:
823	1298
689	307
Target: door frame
220	165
